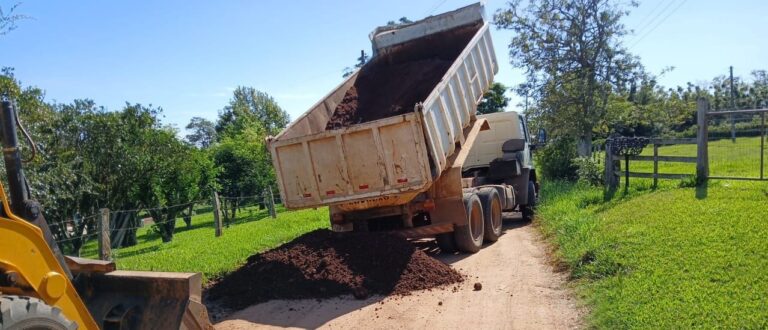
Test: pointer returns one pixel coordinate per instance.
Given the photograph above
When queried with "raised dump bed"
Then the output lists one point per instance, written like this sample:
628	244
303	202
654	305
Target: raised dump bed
385	134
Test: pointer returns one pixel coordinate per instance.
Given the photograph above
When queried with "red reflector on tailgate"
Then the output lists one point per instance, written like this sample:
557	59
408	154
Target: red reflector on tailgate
330	192
307	195
402	180
363	186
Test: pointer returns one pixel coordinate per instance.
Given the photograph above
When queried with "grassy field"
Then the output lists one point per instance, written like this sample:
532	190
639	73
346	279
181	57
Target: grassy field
198	250
725	158
671	257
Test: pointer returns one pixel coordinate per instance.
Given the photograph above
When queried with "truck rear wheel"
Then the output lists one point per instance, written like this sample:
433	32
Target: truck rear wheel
469	238
491	202
17	312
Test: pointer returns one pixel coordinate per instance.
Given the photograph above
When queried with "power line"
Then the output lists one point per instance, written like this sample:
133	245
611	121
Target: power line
440	3
644	22
658	24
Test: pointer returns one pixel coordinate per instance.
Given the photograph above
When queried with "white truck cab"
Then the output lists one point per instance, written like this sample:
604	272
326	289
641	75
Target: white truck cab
503	154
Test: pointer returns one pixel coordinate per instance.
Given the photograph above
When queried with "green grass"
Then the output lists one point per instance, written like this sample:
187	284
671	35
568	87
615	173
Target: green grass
726	158
198	250
670	257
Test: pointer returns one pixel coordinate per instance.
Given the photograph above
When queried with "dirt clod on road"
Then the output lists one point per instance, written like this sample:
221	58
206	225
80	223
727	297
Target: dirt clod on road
322	264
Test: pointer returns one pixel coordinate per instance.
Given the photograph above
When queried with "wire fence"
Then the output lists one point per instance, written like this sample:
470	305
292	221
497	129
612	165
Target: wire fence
737	144
103	234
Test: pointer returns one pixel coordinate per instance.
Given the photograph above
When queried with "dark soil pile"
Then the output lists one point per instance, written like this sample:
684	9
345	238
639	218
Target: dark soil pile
382	91
322	264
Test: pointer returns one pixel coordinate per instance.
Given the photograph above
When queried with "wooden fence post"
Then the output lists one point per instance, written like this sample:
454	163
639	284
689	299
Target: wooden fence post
611	180
217	213
655	165
105	246
272	212
762	145
188	216
702	139
606	169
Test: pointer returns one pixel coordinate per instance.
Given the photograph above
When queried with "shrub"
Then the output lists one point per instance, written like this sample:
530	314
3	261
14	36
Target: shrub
556	159
589	171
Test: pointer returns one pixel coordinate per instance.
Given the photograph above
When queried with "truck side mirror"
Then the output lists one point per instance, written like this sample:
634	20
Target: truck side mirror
542	136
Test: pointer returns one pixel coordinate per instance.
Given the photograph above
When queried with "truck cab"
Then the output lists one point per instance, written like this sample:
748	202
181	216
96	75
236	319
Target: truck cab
503	154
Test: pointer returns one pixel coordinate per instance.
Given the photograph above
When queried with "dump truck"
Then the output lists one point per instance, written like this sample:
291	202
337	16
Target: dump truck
40	288
428	168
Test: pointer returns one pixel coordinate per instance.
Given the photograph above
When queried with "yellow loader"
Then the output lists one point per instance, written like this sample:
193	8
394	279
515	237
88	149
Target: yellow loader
40	288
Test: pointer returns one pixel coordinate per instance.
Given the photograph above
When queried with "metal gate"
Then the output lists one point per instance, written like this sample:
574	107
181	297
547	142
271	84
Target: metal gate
736	144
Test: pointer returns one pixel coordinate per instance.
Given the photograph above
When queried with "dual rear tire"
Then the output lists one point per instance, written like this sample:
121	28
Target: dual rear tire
469	238
483	223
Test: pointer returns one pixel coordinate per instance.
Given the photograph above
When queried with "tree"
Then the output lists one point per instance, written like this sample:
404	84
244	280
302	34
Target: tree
245	166
400	21
247	107
348	71
176	175
494	99
241	152
203	132
90	158
573	57
8	19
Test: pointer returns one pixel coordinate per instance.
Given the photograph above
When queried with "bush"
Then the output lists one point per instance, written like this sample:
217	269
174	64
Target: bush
589	171
556	159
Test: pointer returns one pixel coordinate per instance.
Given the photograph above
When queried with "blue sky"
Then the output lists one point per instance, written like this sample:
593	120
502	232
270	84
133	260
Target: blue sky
187	56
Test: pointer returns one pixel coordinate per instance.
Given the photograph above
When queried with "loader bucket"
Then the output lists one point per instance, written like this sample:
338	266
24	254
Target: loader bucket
144	300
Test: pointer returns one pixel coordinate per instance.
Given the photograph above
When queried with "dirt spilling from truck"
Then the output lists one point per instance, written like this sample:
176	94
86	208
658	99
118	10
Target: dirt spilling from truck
382	91
322	264
400	76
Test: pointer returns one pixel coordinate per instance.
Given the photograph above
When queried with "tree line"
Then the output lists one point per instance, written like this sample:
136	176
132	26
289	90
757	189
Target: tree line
90	158
585	85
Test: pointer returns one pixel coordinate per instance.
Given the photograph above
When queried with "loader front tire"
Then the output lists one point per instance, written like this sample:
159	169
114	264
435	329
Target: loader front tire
469	238
17	312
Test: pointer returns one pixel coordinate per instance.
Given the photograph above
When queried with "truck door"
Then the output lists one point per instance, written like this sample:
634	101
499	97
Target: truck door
527	154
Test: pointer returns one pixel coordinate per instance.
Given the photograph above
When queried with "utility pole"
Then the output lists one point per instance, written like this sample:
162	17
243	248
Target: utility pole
733	107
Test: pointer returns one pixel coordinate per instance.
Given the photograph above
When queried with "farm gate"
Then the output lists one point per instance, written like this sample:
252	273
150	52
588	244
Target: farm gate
729	145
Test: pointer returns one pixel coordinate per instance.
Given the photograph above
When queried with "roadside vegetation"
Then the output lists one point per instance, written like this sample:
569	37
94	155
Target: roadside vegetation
677	256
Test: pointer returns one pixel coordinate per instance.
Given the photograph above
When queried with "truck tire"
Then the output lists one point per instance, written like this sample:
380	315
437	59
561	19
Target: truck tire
446	242
17	312
528	210
469	238
491	202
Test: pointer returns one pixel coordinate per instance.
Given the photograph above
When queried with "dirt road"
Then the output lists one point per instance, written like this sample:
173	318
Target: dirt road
520	290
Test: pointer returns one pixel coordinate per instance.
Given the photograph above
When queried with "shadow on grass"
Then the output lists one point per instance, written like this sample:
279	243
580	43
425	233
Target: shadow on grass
702	190
149	236
128	254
